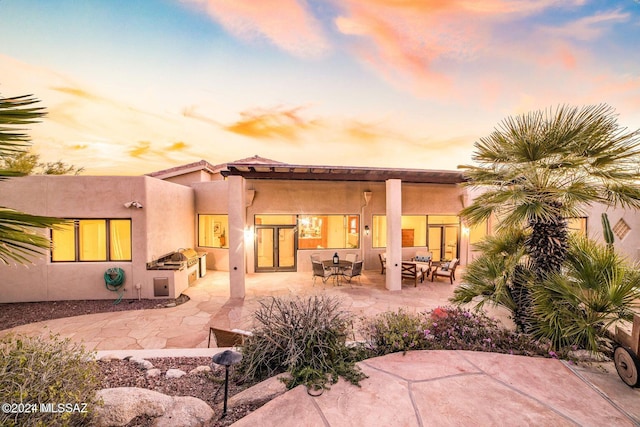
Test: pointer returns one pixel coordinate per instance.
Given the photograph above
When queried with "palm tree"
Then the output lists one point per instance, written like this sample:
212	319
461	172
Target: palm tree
21	234
596	289
540	168
498	275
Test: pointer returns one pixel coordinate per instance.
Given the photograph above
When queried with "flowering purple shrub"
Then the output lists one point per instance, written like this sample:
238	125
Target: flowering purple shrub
444	328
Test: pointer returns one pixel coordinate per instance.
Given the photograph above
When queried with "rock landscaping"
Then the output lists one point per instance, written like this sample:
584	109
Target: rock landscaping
181	391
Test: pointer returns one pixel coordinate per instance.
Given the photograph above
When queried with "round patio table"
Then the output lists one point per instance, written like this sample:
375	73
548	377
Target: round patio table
337	270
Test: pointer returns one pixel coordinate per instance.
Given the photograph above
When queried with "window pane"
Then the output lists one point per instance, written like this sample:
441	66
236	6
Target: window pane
120	239
328	231
63	243
275	220
379	235
578	225
212	231
443	219
93	239
477	233
414	230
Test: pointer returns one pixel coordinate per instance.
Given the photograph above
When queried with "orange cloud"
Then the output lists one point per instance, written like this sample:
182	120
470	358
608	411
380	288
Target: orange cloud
287	24
142	148
178	146
79	93
274	123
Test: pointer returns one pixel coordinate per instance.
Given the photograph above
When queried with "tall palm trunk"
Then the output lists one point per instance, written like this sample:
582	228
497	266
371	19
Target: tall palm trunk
547	247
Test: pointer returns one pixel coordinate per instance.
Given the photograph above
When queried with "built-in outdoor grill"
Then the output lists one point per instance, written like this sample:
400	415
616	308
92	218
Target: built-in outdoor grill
189	256
175	260
182	261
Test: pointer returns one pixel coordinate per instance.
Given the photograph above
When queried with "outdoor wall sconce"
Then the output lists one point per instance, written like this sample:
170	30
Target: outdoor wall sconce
133	204
366	230
248	234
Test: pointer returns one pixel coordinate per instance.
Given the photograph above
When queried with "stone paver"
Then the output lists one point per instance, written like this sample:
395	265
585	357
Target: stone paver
462	393
419	388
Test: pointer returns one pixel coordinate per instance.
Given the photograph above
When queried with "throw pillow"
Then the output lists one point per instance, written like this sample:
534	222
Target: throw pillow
444	266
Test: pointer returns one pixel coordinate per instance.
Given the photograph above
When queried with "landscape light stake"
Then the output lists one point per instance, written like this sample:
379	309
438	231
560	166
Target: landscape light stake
226	359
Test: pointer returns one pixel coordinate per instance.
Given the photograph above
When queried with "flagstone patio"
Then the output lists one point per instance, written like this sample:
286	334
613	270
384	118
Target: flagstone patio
187	325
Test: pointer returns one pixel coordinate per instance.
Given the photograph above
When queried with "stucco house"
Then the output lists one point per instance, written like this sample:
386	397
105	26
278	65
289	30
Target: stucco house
166	229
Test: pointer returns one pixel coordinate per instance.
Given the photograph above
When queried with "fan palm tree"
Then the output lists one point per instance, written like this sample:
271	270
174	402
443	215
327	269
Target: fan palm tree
596	289
540	168
498	276
21	234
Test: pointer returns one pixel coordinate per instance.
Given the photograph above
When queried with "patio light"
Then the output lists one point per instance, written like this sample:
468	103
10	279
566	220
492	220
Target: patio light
226	359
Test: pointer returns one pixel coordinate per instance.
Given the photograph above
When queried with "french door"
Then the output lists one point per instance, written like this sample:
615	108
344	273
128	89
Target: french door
275	248
443	242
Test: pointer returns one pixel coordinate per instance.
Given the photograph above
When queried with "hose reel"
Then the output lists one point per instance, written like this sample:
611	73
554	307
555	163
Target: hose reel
114	281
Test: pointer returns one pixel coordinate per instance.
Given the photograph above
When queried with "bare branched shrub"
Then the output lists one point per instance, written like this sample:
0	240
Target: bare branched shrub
305	337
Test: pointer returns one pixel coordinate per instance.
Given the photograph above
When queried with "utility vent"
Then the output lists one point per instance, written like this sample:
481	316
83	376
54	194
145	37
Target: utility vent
621	229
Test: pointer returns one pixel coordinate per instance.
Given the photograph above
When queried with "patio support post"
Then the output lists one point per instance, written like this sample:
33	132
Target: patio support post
237	220
393	279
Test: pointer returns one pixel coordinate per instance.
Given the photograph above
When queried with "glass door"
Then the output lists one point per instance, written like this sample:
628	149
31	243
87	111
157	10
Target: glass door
275	248
435	242
443	242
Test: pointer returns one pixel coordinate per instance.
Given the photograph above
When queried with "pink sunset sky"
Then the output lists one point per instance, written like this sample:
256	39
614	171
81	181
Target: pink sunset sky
133	87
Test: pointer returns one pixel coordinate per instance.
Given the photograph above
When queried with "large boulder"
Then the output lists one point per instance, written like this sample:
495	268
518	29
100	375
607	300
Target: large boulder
123	404
263	391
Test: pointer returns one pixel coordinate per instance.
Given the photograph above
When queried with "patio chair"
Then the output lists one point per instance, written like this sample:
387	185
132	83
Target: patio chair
320	271
350	258
383	261
226	338
315	257
447	269
354	271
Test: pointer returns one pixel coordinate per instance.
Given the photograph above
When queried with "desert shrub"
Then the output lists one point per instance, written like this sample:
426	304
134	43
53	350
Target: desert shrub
444	328
392	332
305	337
455	328
35	371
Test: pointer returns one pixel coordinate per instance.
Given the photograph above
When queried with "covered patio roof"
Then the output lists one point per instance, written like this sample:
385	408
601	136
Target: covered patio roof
251	170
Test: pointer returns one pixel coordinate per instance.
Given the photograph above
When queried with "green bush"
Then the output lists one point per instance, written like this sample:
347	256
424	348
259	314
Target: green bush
306	338
35	371
596	289
444	328
392	332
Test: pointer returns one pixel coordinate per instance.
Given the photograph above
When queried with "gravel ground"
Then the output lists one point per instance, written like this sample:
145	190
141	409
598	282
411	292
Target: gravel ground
122	373
21	313
207	386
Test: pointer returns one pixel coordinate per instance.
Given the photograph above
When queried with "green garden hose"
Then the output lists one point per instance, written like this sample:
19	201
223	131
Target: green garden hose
114	280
